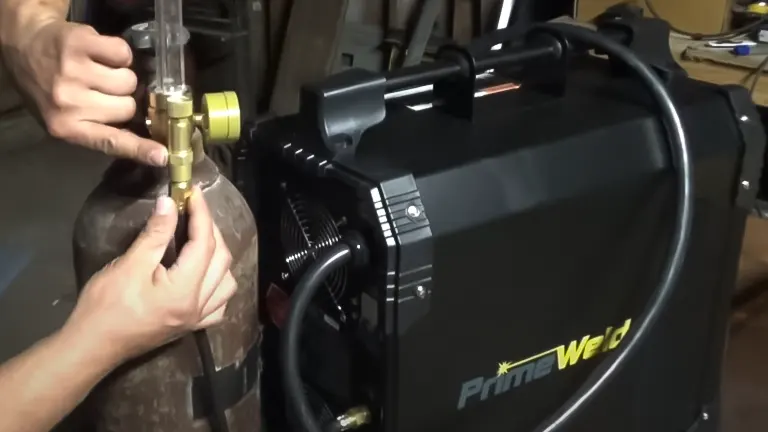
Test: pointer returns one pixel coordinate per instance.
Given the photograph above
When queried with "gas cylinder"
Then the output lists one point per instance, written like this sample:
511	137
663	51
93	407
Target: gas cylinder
166	390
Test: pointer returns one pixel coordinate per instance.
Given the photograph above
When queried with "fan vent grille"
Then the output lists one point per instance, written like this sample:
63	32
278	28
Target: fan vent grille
307	228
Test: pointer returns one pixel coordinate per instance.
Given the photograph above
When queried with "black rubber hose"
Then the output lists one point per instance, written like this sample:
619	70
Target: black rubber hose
330	260
610	367
218	416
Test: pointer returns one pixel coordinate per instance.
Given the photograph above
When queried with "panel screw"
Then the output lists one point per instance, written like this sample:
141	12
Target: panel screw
744	118
420	292
284	276
705	416
413	211
745	184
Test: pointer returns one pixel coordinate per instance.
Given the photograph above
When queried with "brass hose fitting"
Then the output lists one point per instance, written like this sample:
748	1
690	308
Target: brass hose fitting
354	418
172	120
180	155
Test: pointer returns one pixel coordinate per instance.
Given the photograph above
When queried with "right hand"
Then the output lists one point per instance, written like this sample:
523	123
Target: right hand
81	83
135	304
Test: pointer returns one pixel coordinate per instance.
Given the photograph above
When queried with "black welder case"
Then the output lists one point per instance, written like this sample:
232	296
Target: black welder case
541	221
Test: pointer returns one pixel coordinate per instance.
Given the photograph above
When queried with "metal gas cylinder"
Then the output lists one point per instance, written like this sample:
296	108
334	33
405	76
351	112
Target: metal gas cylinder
165	390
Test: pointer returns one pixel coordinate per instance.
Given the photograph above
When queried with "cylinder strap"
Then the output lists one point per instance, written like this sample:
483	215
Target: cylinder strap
232	383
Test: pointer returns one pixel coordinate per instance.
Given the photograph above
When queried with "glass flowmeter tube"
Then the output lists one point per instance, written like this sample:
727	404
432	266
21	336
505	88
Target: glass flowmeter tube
169	49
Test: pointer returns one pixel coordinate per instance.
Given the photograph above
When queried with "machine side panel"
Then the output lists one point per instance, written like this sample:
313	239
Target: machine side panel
540	273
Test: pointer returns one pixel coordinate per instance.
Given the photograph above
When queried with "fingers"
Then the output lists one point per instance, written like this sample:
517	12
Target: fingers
115	82
215	310
221	294
150	246
103	108
217	271
116	142
212	319
86	104
192	264
107	50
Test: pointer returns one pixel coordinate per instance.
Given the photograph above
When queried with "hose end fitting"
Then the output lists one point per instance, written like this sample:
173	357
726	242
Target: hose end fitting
357	246
354	418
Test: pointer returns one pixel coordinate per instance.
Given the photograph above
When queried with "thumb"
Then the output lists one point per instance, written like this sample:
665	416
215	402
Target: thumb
149	247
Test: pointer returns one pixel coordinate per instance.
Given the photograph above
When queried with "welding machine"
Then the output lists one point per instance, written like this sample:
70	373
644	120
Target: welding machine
555	254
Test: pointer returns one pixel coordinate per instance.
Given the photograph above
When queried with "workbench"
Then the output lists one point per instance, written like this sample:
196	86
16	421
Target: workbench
706	70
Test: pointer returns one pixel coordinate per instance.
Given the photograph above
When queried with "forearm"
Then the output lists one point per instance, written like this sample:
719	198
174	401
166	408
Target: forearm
44	384
18	16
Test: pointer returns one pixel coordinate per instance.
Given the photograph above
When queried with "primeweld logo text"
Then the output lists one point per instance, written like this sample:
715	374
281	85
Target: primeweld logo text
511	375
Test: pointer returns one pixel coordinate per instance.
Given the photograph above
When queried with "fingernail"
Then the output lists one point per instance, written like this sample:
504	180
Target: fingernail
163	206
158	157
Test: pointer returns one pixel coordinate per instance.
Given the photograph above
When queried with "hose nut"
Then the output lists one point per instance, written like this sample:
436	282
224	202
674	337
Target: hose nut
180	158
180	193
354	418
179	106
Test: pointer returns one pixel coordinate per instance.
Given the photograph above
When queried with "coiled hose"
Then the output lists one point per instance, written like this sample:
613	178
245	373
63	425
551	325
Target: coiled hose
610	367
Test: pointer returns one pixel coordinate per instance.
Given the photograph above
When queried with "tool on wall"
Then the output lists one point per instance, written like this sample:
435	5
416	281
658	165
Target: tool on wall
504	16
430	9
309	51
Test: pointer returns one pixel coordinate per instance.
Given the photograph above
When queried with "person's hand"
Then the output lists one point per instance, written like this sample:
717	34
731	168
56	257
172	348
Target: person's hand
82	84
135	304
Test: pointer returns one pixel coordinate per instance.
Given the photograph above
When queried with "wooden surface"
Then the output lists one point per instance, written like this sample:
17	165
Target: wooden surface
707	70
701	16
310	50
586	10
753	265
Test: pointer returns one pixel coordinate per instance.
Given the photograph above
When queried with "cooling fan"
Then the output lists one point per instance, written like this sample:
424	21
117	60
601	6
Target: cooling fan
306	228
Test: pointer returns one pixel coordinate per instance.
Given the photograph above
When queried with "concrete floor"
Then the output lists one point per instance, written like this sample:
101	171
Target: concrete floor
44	182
